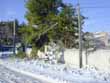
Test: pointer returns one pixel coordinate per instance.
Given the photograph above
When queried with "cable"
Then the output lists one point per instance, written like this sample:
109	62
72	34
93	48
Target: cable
95	7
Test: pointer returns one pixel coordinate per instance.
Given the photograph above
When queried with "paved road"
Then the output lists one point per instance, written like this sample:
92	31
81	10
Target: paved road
8	76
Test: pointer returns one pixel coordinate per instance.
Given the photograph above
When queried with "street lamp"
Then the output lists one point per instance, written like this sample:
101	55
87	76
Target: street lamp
53	26
35	26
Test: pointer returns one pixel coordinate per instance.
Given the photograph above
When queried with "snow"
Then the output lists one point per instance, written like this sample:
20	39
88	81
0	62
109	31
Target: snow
9	76
61	73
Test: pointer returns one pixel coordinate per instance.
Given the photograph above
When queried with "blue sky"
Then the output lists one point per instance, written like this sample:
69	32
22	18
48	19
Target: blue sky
98	18
11	9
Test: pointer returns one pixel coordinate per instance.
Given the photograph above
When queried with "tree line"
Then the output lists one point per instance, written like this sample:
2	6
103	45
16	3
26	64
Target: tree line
44	14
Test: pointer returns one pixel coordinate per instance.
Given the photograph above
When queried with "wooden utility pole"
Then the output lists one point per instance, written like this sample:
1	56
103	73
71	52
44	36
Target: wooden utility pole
14	36
80	36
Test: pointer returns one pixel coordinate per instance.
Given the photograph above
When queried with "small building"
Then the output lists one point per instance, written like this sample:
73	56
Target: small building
101	39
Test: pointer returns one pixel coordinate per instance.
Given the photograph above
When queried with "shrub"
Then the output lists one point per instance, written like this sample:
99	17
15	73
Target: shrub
21	54
34	53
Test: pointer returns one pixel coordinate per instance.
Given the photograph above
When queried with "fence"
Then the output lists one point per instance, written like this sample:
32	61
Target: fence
100	58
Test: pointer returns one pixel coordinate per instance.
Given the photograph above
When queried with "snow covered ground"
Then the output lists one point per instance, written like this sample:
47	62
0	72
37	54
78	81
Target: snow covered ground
58	72
9	76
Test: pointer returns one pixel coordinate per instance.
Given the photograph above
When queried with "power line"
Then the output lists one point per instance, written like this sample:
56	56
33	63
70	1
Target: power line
88	6
95	7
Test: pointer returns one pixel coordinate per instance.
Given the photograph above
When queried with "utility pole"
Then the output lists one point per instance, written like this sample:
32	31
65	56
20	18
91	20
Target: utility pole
14	35
80	36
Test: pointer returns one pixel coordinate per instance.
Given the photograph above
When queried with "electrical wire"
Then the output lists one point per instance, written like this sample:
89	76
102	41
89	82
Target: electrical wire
95	7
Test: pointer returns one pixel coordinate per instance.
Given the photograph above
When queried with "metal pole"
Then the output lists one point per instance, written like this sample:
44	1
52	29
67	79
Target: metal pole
14	34
80	37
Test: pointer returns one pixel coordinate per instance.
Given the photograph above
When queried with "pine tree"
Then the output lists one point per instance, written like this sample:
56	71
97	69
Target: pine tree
46	13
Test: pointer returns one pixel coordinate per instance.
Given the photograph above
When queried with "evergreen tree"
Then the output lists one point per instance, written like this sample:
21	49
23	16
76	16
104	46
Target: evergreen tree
44	14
